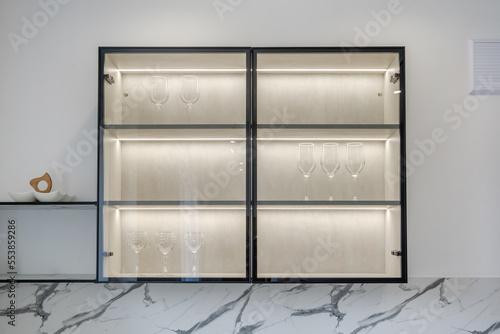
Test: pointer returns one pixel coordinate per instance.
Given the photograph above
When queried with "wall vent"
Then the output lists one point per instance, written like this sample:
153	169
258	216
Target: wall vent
484	67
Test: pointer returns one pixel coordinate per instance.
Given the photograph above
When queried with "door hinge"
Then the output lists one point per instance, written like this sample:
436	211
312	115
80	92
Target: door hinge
397	253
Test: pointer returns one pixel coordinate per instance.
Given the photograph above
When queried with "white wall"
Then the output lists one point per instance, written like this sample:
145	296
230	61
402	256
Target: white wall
48	96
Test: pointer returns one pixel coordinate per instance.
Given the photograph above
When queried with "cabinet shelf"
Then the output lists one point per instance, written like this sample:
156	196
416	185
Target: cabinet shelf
176	133
49	205
333	205
173	126
181	204
21	278
328	126
324	132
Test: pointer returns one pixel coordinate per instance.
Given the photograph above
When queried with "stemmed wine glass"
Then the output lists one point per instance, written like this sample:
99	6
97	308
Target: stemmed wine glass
355	164
194	241
137	240
330	163
306	164
159	92
165	241
190	92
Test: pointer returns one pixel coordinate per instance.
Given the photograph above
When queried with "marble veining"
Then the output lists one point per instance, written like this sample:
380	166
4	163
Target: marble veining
424	305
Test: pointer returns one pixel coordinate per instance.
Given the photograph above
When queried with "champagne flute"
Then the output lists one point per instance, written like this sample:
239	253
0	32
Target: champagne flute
165	241
306	164
159	92
137	240
194	241
355	164
330	163
190	92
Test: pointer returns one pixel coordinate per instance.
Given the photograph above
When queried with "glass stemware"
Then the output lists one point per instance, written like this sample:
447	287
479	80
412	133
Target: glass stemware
194	241
330	163
355	164
159	92
190	92
165	241
137	240
306	164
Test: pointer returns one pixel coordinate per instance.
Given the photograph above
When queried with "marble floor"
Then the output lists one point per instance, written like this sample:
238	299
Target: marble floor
424	305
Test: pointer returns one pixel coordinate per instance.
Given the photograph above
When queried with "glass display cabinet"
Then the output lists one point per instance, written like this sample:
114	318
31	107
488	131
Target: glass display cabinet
328	190
252	165
174	188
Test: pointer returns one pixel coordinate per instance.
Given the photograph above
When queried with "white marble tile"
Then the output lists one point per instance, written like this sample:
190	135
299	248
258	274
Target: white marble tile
424	305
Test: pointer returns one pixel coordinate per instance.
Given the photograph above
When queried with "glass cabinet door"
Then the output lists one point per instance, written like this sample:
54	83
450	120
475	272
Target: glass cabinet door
174	190
329	192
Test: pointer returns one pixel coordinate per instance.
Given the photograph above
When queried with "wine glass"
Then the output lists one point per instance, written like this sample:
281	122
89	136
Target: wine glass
165	241
330	163
355	164
190	92
194	241
159	92
306	164
137	240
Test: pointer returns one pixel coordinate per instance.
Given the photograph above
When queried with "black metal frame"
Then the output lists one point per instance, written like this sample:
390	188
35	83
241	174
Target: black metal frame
402	126
107	50
251	144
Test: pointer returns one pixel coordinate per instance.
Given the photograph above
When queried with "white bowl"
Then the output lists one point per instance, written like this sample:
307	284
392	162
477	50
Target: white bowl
67	198
28	196
54	196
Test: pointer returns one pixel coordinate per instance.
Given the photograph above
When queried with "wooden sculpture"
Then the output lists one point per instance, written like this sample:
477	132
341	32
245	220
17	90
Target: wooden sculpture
46	177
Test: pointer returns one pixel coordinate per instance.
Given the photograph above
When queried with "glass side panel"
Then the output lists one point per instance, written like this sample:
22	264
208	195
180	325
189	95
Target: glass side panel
327	88
328	242
188	242
175	88
50	244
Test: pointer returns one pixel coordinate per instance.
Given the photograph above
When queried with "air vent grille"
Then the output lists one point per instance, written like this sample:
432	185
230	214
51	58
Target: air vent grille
484	67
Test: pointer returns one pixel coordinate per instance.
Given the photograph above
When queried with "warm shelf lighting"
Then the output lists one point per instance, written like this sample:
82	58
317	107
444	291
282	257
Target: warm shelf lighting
325	139
320	70
177	208
182	70
231	140
326	208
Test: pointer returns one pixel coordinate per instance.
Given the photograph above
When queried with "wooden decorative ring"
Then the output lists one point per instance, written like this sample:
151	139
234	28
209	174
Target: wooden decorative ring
46	177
